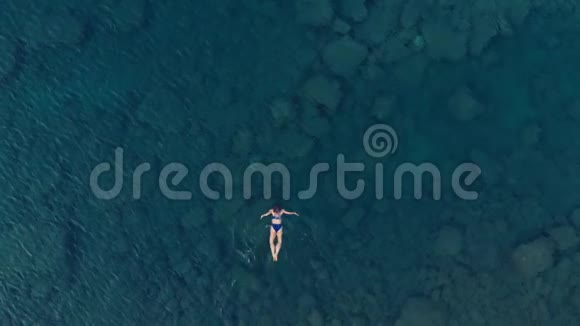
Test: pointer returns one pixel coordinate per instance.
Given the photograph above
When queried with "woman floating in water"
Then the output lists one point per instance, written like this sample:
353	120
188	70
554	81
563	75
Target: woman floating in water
276	228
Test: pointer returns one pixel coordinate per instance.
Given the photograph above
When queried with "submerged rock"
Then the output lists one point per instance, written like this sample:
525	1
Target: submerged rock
444	41
314	12
575	218
316	126
344	56
411	70
339	26
463	105
485	28
533	258
565	237
354	9
449	242
573	110
381	22
315	318
400	46
421	312
323	91
412	12
531	135
283	111
516	11
383	107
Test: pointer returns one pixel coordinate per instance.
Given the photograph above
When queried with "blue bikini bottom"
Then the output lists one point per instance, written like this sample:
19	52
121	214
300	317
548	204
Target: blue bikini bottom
277	227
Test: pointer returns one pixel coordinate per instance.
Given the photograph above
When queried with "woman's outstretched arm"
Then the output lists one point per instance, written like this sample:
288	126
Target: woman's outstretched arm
266	214
289	213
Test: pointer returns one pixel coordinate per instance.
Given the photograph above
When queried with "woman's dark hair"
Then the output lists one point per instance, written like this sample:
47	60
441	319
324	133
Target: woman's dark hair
276	208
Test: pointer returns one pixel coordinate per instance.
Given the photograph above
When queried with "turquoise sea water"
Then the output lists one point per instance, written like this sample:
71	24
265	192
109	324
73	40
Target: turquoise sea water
296	83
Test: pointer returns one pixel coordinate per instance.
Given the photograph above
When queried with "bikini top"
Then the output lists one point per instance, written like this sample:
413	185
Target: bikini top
274	217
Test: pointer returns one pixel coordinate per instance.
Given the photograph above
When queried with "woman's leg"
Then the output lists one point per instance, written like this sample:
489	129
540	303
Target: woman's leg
272	246
279	243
